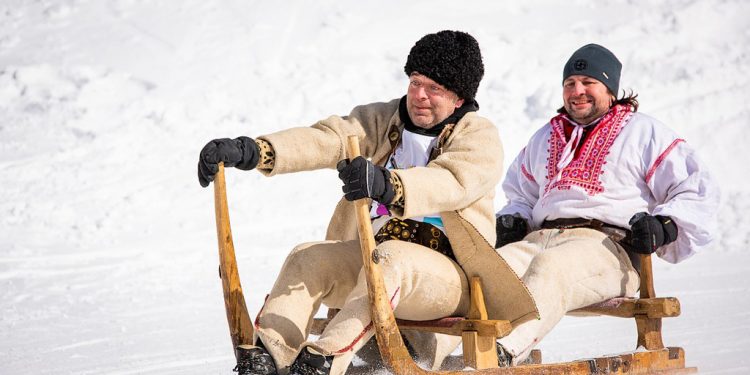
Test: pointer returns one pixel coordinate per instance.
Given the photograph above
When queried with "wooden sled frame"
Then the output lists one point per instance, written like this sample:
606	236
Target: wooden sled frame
478	333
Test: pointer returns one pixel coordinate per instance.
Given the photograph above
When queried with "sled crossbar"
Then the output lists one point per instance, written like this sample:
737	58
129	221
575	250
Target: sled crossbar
664	307
621	307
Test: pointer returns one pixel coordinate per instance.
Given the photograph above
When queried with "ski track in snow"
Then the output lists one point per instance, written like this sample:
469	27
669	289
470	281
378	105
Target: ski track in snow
108	260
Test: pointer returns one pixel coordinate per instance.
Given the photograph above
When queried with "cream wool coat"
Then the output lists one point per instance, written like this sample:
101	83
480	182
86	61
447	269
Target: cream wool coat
462	179
459	184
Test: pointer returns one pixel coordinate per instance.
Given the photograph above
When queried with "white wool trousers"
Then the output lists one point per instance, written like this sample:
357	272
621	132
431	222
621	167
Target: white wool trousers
422	284
565	269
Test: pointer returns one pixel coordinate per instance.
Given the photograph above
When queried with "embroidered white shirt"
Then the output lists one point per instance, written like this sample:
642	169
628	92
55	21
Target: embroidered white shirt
634	165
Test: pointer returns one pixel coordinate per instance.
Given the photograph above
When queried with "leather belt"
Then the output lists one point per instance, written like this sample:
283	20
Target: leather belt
616	233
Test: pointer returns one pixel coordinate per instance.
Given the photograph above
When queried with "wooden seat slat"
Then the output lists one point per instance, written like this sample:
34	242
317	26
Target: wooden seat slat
662	307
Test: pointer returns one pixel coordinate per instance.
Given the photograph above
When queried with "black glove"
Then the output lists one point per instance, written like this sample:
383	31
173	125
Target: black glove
510	228
648	232
362	179
242	153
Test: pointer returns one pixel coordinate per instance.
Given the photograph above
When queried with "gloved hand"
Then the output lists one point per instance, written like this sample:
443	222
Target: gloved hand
242	153
510	228
362	179
648	232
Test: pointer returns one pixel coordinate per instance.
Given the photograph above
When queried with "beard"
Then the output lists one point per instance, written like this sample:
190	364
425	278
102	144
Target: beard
585	116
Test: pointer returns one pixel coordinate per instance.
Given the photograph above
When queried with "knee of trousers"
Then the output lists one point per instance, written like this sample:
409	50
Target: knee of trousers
300	260
573	260
322	256
329	267
409	259
304	251
423	278
549	265
399	258
582	277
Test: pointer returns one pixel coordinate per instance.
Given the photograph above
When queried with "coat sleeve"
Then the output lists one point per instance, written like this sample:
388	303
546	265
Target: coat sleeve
468	169
520	188
323	144
684	191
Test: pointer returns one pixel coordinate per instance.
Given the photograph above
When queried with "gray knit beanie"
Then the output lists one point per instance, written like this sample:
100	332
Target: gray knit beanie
450	58
596	62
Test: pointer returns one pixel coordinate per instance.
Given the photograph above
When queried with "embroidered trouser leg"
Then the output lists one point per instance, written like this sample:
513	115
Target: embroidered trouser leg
313	273
421	283
572	268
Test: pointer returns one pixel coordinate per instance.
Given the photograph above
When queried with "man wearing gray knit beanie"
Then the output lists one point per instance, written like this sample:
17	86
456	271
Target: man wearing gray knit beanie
596	187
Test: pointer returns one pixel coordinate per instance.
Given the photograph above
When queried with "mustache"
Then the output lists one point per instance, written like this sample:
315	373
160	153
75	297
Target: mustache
581	97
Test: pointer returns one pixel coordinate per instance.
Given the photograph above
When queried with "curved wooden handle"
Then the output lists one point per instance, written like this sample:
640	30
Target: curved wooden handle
240	325
390	343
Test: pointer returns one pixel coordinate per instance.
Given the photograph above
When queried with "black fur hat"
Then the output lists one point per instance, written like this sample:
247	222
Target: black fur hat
450	58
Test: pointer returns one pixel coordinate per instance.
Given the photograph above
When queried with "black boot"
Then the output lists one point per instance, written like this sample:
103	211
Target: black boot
504	359
254	360
309	363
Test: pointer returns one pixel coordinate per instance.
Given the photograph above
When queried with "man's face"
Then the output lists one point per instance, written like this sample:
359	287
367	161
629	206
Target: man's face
428	102
585	98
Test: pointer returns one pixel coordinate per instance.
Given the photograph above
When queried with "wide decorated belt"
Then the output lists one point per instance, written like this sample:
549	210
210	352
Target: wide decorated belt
417	232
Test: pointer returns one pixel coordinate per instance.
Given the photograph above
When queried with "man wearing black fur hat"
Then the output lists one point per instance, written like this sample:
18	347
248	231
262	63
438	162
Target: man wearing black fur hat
426	155
597	185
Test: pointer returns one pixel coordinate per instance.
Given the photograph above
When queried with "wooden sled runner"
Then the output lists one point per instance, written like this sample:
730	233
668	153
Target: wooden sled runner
477	331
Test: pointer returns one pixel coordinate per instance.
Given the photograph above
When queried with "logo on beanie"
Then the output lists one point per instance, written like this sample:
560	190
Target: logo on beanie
580	64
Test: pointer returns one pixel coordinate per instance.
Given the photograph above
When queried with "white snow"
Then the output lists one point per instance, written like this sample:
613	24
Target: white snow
108	256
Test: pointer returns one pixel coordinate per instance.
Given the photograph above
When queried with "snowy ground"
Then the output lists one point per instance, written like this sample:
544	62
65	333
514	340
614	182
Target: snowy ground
108	260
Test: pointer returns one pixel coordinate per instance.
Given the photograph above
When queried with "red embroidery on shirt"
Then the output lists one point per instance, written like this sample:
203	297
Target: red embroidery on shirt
524	171
527	174
661	158
585	170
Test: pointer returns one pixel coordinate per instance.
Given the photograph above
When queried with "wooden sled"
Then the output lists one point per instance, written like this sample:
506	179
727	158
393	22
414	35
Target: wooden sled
479	334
